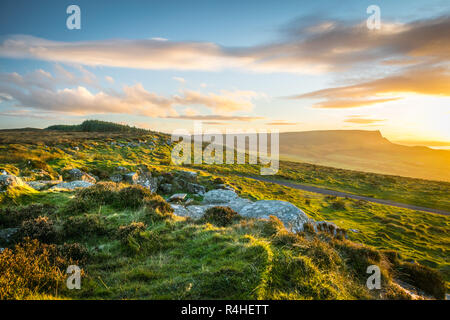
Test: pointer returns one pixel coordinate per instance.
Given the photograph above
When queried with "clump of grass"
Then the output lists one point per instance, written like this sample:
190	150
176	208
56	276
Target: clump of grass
14	216
338	205
40	228
85	225
125	231
220	216
422	277
132	197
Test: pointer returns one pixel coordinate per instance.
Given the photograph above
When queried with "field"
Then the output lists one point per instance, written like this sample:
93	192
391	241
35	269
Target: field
177	258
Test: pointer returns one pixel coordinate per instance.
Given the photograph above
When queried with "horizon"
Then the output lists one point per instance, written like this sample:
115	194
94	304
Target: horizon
297	67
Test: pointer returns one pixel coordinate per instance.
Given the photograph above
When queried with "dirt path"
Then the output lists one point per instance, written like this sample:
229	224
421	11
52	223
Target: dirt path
348	195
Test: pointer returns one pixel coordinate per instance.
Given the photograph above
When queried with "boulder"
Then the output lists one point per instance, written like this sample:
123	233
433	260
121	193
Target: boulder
72	185
292	217
166	187
36	185
131	177
177	197
195	188
219	196
9	180
7	234
78	175
116	177
148	182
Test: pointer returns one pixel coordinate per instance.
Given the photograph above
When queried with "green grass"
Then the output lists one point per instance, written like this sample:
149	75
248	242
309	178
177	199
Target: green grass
178	259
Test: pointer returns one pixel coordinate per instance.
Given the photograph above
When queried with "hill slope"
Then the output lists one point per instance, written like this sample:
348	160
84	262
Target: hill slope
365	151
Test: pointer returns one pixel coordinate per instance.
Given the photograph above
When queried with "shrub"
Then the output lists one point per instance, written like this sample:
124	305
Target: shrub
125	231
338	205
424	278
157	203
272	226
101	193
220	216
133	197
12	217
74	252
85	225
28	270
40	228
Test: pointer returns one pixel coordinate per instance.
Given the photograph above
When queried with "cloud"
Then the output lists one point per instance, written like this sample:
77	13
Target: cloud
216	117
360	120
315	47
41	90
424	80
179	79
281	123
109	79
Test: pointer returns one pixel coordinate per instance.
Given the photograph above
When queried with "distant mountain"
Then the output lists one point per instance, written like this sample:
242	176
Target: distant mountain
365	151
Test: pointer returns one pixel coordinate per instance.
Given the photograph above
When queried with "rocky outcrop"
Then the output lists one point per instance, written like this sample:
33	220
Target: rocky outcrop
220	196
292	217
9	180
177	197
72	185
78	175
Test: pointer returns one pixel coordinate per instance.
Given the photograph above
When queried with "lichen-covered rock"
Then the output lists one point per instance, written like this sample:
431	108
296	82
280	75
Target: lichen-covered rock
78	175
292	217
72	185
177	197
9	180
195	188
131	177
219	196
36	185
116	177
166	187
148	182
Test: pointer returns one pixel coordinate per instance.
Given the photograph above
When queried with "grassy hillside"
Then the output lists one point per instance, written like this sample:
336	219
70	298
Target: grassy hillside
365	151
173	257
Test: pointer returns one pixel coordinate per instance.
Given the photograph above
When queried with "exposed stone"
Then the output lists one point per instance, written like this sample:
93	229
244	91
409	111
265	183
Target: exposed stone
219	196
187	174
195	188
78	175
148	182
72	185
116	177
131	177
292	217
166	187
177	197
355	230
7	234
36	185
9	180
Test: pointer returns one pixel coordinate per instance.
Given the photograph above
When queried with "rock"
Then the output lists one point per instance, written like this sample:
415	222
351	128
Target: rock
166	187
9	180
292	217
195	188
191	175
116	177
78	175
148	182
189	201
7	234
224	186
355	230
72	185
131	177
36	185
219	196
177	197
76	148
193	211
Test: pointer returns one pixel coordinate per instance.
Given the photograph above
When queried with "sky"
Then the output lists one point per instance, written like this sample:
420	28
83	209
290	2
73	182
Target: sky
237	65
